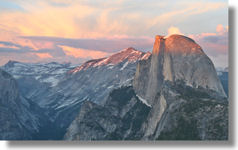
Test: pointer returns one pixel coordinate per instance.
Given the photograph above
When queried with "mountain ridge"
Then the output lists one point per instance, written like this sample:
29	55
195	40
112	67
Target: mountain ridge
129	54
172	97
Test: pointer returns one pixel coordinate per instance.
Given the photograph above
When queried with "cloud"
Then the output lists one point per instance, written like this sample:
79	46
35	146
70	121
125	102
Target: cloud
44	26
44	55
82	53
99	19
54	47
41	18
8	46
108	44
174	30
215	45
189	9
221	29
13	48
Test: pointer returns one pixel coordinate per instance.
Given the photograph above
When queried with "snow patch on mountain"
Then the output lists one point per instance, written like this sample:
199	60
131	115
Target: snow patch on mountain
130	55
124	66
49	73
144	101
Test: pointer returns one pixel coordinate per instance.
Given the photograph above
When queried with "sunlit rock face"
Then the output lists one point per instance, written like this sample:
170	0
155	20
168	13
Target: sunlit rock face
176	58
192	65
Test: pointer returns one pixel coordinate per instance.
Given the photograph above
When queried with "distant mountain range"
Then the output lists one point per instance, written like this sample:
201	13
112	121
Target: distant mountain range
129	95
60	89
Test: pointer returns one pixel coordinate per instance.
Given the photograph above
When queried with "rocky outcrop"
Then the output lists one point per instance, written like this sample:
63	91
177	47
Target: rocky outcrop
180	113
176	60
179	93
119	119
17	119
191	115
173	59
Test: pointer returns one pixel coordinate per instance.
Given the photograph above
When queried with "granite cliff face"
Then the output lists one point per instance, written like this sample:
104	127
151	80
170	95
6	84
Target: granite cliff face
180	98
176	58
176	61
19	117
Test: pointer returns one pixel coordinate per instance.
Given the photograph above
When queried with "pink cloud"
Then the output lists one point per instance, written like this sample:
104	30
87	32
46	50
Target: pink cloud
82	53
215	45
44	55
174	30
8	46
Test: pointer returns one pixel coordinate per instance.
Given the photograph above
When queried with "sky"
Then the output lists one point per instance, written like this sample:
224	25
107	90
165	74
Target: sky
78	30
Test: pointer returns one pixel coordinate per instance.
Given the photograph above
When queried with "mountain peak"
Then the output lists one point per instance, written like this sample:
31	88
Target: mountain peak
129	54
129	49
176	58
11	63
